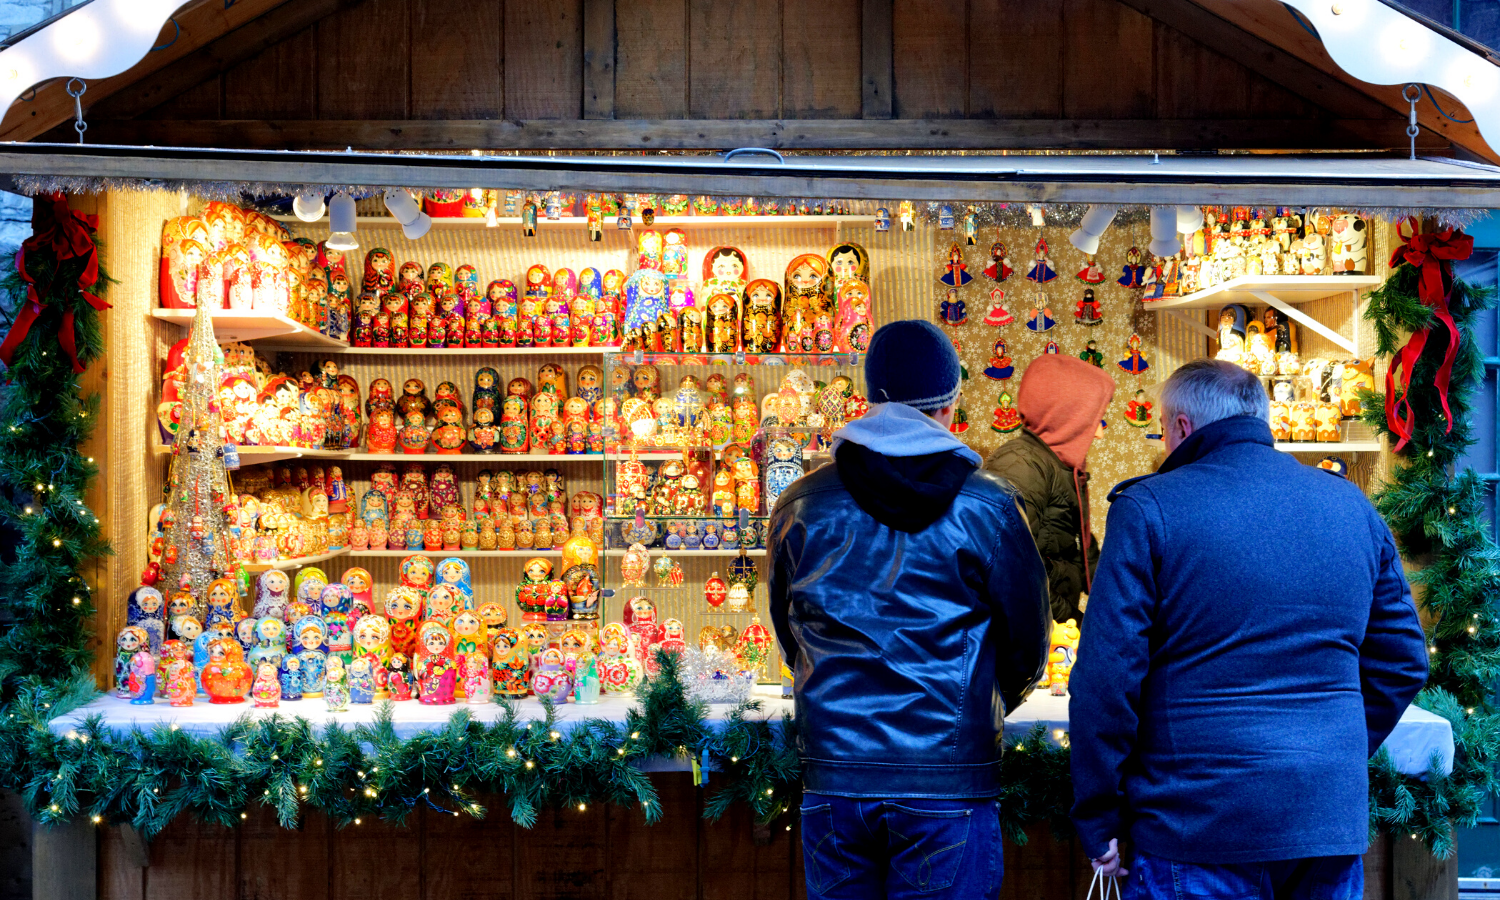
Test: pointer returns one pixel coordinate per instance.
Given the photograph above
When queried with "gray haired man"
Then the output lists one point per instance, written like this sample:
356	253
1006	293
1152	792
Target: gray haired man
1223	710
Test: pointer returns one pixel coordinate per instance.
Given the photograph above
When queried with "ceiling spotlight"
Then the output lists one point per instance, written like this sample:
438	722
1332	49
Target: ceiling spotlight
404	209
309	206
1094	223
1189	219
1164	240
341	222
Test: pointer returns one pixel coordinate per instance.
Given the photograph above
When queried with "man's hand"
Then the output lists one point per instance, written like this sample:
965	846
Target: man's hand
1110	863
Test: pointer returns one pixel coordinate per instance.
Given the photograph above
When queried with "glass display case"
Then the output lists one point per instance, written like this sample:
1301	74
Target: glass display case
697	450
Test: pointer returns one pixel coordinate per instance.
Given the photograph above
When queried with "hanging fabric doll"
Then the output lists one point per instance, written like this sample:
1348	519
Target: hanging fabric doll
957	272
1138	410
1091	273
954	312
998	315
1041	270
1041	315
998	269
1135	364
1051	348
1091	354
1087	310
1133	274
1000	367
1007	419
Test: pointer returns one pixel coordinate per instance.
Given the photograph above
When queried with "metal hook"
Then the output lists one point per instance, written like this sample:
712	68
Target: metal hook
1411	128
79	125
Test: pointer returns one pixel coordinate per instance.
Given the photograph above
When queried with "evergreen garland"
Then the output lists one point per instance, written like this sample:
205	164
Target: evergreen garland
1437	516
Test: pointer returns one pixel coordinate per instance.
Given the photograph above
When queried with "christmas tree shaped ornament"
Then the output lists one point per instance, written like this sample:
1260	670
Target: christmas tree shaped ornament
199	500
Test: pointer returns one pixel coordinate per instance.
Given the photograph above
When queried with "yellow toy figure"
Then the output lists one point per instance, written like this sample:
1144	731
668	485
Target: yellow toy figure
1062	655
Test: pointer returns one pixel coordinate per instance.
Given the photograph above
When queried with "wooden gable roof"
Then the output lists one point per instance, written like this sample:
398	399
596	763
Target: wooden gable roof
698	74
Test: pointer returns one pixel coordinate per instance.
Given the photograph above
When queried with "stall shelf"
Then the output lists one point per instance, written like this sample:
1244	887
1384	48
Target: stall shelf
246	325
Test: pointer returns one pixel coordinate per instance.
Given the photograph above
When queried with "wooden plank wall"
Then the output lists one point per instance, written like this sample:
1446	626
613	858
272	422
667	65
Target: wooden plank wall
598	853
758	59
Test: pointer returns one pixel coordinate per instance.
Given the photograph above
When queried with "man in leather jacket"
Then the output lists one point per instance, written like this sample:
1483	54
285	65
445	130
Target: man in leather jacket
909	599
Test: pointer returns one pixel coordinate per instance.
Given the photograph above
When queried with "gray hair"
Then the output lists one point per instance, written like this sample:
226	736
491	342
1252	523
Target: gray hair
1207	390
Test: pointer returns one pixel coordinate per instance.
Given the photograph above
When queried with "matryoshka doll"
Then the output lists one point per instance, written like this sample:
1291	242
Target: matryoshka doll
722	323
760	316
611	308
852	331
335	600
403	606
145	608
535	292
409	279
486	389
515	431
646	302
806	300
531	591
266	689
336	685
551	680
185	244
436	673
449	436
640	618
419	322
468	637
372	642
510	664
380	274
226	678
132	640
725	270
395	318
178	671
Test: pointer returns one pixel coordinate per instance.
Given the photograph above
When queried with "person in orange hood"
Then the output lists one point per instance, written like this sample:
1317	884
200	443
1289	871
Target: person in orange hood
1062	402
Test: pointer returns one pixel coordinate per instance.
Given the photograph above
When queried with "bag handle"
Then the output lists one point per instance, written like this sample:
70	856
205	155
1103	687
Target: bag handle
1107	885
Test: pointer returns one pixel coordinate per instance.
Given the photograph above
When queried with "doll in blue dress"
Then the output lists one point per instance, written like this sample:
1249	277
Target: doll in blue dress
1135	364
1000	367
1041	316
1041	270
957	273
953	310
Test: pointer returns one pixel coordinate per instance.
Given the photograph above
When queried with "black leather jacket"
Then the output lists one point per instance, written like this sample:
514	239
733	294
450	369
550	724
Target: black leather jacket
908	647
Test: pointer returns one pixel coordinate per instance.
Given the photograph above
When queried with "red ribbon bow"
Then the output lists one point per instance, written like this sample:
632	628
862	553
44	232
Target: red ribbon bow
67	234
1432	255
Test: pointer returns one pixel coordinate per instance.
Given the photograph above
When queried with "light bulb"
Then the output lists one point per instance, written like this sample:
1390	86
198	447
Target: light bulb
1405	43
308	207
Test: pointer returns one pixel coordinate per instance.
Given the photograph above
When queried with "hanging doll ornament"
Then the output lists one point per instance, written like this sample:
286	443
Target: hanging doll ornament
1092	355
1086	312
998	315
1138	410
1041	270
1091	273
1133	274
999	268
1007	419
956	273
1041	315
1051	349
1135	363
953	310
1000	368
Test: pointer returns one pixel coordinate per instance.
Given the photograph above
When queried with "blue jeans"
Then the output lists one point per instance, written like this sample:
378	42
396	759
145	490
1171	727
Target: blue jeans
1318	878
857	849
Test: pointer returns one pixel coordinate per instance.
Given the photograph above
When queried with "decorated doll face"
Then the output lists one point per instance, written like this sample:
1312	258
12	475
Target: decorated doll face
131	639
400	606
466	624
187	628
441	601
452	572
381	387
410	272
334	668
181	605
269	630
435	640
727	266
805	278
149	601
371	632
538	570
310	637
845	263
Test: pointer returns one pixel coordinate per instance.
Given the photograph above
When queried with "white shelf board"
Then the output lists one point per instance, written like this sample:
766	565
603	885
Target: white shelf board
581	222
250	456
246	325
447	351
465	554
294	563
1330	447
474	457
1294	289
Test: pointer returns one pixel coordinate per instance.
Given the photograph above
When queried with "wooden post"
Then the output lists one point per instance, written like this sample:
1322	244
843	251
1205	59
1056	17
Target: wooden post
876	51
1418	875
63	861
599	59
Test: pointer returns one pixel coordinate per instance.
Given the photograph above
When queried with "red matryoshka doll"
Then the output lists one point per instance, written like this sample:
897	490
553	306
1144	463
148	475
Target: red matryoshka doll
449	436
382	396
227	677
466	286
504	302
551	377
409	279
760	317
414	436
395	310
239	277
381	435
723	323
645	633
380	271
420	324
545	410
534	295
436	670
446	394
847	262
403	606
184	248
612	299
648	245
564	291
806	301
531	590
725	270
515	432
852	331
400	683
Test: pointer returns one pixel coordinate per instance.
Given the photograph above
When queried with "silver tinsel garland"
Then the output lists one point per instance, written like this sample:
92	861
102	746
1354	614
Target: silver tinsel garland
715	676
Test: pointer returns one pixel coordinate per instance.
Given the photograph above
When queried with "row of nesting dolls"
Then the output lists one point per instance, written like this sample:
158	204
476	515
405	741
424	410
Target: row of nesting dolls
323	622
824	304
233	258
480	203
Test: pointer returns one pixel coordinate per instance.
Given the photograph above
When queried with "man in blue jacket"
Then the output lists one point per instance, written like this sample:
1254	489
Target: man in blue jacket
910	600
1250	642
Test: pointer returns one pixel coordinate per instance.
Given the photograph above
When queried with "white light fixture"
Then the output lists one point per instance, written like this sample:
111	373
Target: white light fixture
1093	226
1164	240
404	209
1380	45
1189	219
92	41
308	207
341	223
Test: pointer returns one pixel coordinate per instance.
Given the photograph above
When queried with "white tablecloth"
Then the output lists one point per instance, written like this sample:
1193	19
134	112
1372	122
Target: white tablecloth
1412	744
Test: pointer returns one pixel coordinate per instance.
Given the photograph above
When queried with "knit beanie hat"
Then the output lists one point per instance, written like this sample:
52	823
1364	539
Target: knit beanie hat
912	362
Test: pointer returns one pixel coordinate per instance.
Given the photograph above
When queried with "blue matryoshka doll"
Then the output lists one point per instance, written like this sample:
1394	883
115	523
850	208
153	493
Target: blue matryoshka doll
145	607
454	572
309	640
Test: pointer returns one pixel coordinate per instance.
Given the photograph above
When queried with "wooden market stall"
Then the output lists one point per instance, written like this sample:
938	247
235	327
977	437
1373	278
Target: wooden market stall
613	75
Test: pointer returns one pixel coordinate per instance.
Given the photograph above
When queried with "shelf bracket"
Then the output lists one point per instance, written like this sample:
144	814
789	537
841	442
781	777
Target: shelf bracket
1304	319
1192	323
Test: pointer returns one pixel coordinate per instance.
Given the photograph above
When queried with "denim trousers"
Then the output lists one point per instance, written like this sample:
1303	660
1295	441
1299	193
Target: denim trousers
1318	878
868	849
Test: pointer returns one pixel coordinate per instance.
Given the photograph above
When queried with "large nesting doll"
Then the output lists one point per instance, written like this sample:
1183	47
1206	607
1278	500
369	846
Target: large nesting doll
807	304
760	316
